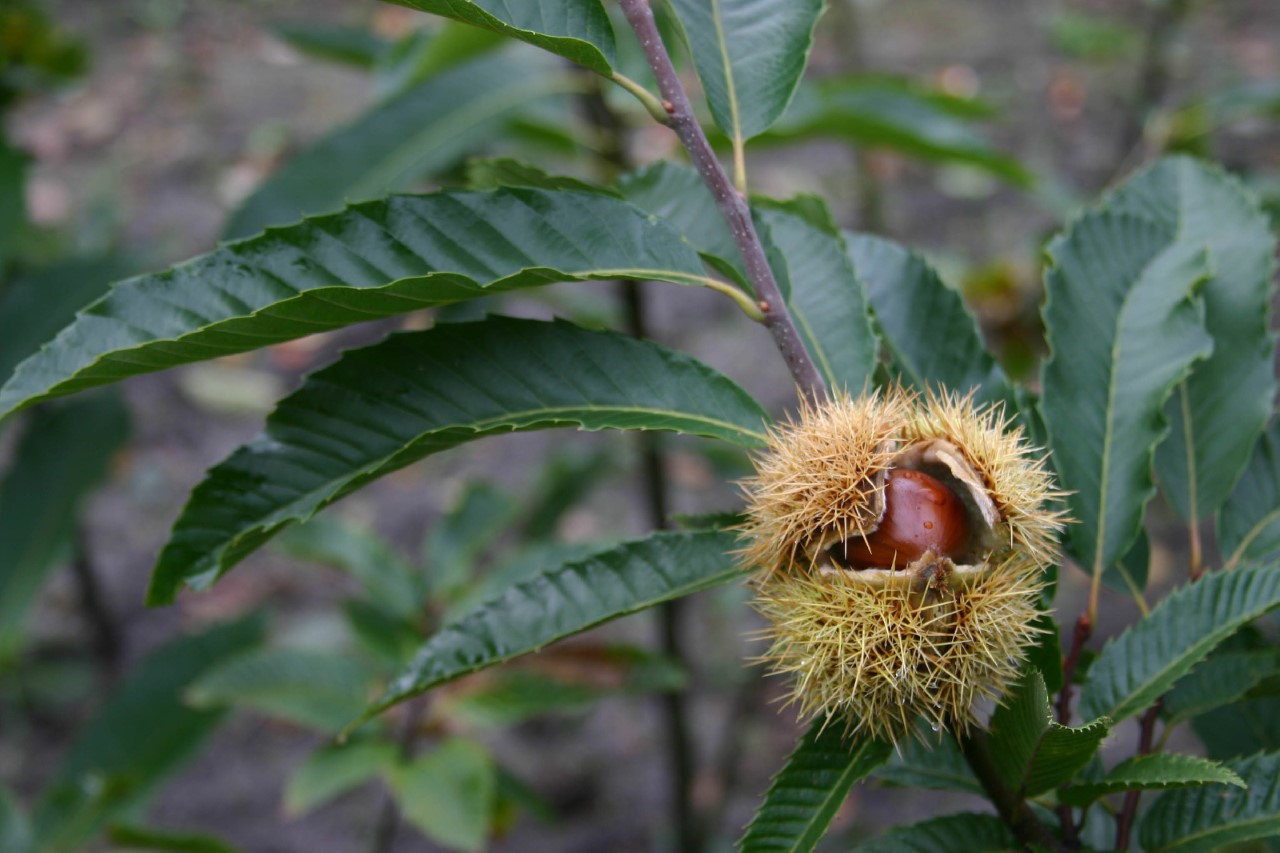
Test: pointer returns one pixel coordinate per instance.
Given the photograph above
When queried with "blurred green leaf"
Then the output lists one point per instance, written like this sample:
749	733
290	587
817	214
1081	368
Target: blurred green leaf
318	690
563	481
550	683
1033	753
493	172
1244	727
373	260
1151	772
1217	413
422	130
564	601
13	208
39	302
676	194
355	46
426	53
1142	663
824	293
15	831
389	581
1249	523
1085	35
334	769
419	393
35	52
930	335
389	639
750	55
955	833
879	112
1221	680
64	453
130	837
577	29
452	547
931	761
449	793
1207	819
1124	326
140	735
810	788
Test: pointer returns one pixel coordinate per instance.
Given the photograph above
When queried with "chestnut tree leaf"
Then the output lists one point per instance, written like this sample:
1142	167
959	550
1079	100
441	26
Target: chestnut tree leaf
383	407
1213	817
375	259
1124	325
1221	680
1249	523
1217	413
578	30
1151	772
1140	665
750	55
811	786
930	335
565	600
953	833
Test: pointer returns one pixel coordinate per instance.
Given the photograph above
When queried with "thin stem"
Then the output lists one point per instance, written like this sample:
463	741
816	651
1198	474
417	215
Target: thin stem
1011	807
732	204
384	835
1124	823
643	95
1079	636
107	645
1154	75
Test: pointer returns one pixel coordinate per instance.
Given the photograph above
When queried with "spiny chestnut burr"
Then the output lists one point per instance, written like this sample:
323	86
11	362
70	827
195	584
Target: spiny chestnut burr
920	515
899	543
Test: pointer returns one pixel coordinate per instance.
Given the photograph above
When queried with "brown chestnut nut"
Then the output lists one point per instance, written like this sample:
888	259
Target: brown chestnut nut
920	514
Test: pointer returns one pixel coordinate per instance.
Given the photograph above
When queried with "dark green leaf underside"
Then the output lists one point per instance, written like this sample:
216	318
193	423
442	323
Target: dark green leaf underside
383	407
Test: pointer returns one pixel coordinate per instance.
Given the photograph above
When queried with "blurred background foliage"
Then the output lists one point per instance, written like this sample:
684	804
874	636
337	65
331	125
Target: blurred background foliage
140	132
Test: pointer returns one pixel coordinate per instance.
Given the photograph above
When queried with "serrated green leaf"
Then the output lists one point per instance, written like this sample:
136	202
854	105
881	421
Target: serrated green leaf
1151	772
143	733
929	761
388	639
956	833
63	454
385	406
675	193
334	769
1249	523
131	837
879	112
422	130
750	55
1220	680
565	601
825	295
449	793
1033	753
387	579
1123	327
373	260
1218	412
426	52
575	29
37	303
1141	664
493	172
810	788
929	333
318	690
354	46
1202	820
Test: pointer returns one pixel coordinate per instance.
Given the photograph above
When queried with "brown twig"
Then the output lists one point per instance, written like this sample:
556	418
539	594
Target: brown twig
1079	636
384	835
107	645
1124	823
1011	807
732	205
